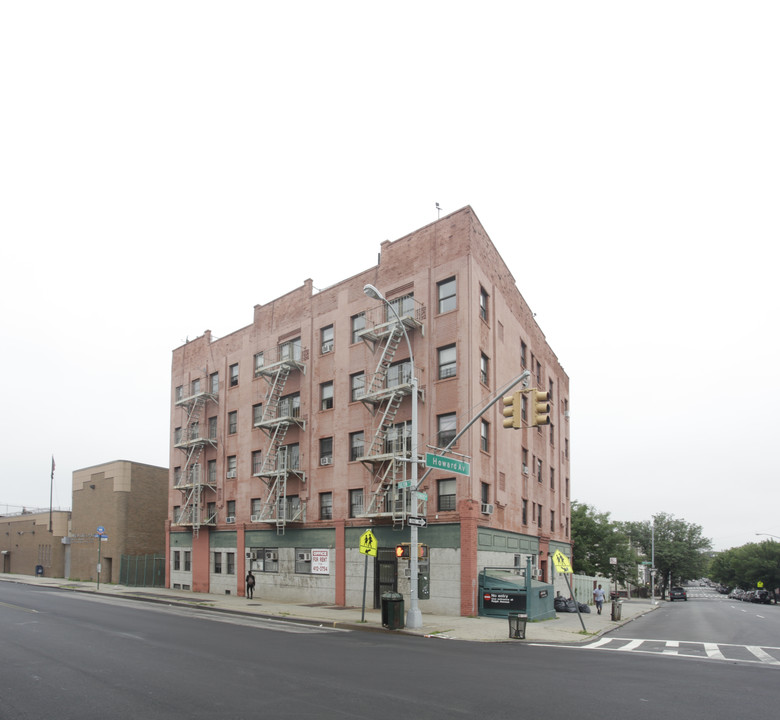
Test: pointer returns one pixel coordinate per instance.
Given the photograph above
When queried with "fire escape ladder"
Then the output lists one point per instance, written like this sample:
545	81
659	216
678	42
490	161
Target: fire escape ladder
275	391
379	379
378	445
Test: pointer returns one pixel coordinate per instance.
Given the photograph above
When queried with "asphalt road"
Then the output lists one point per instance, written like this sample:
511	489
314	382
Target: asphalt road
73	655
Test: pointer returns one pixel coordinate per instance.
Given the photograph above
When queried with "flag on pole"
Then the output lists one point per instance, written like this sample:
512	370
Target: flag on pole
52	467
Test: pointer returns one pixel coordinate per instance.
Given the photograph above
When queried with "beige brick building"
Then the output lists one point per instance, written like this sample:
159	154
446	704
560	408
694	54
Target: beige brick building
128	499
291	437
29	540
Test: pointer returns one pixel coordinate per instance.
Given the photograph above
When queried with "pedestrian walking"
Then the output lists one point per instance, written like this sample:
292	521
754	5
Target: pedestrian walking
598	597
250	585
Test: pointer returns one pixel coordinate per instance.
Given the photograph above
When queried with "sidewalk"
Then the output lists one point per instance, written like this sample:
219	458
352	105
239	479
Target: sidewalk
566	628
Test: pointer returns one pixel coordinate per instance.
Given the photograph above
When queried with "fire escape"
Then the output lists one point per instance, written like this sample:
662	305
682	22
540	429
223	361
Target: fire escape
388	453
191	440
281	461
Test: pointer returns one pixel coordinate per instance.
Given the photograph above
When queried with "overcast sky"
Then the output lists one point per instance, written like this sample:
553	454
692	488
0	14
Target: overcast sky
164	166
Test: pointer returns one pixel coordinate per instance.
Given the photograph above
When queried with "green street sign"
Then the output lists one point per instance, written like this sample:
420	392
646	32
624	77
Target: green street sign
405	484
439	462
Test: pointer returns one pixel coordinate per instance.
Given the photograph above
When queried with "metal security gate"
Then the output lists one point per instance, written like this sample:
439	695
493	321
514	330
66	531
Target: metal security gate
385	574
142	570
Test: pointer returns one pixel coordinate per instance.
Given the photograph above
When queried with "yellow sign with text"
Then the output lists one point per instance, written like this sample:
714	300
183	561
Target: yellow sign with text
561	562
368	543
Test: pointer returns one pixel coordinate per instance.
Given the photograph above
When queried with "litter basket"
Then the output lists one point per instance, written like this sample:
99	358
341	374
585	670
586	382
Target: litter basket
517	622
392	610
616	609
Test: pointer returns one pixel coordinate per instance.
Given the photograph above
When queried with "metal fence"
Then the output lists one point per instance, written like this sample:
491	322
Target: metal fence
142	570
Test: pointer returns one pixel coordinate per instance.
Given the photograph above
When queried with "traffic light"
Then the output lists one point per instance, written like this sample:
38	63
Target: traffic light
422	551
513	410
402	551
540	408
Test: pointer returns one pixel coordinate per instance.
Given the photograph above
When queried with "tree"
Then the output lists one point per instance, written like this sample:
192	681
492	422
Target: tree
748	565
679	548
596	539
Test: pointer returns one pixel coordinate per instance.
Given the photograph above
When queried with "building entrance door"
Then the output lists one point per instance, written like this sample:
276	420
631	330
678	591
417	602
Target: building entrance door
385	574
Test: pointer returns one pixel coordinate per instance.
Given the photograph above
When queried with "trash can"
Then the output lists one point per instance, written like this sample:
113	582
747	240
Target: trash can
392	610
616	606
39	570
517	622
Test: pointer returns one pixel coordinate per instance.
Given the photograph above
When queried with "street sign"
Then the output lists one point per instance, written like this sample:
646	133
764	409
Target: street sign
368	543
101	530
418	521
405	484
561	562
439	462
423	496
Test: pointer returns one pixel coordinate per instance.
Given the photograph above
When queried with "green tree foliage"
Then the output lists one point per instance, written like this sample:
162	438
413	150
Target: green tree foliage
748	565
679	548
596	539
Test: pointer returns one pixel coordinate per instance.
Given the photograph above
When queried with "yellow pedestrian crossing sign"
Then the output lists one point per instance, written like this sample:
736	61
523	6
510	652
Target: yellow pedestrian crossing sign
368	543
561	562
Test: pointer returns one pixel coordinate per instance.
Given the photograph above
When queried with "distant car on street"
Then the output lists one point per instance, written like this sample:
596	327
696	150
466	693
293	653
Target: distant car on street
678	593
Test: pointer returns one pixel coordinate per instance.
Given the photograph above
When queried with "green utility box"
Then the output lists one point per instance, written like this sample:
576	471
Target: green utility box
507	590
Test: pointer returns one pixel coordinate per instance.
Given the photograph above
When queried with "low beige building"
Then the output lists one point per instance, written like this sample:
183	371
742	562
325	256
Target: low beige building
33	541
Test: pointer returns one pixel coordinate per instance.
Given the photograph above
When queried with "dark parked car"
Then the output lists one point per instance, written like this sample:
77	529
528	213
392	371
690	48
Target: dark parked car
761	596
677	593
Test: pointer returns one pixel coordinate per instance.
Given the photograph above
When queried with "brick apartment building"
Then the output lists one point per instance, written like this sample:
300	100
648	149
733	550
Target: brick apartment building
291	436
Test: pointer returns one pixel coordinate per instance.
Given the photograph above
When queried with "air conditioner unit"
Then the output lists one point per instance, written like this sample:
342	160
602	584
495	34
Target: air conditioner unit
327	347
271	556
255	518
304	557
231	474
487	508
566	414
230	519
249	556
326	461
525	469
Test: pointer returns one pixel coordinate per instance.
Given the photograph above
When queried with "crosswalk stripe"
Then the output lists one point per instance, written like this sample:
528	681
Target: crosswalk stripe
762	655
713	651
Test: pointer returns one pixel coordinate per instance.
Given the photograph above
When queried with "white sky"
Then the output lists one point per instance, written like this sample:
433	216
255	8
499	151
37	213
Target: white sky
622	156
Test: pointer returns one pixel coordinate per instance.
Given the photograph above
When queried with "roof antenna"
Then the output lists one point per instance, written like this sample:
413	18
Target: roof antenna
438	210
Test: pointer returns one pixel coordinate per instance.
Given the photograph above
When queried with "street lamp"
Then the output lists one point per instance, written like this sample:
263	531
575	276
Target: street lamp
413	616
777	537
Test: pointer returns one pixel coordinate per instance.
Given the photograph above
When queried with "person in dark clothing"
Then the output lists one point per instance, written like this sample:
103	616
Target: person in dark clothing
250	585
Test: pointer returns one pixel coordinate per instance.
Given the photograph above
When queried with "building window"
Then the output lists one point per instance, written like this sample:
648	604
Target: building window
213	428
358	323
483	369
270	557
179	394
447	499
326	339
256	506
257	462
217	563
234	375
398	439
290	350
326	396
176	476
484	435
291	454
355	503
552	520
525	511
523	354
303	561
176	436
233	422
176	560
290	406
326	506
566	448
485	488
259	363
552	478
231	508
448	362
399	373
214	383
447	297
539	515
524	457
290	507
483	304
326	451
231	563
211	512
404	306
195	387
538	374
257	414
567	488
355	445
539	469
212	471
446	429
231	466
187	560
550	390
177	513
552	434
357	384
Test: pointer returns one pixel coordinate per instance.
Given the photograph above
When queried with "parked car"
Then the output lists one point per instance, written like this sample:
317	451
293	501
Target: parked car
747	596
761	596
678	593
736	593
